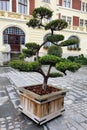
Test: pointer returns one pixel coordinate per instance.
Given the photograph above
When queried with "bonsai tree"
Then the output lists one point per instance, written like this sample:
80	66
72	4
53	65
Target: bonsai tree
39	14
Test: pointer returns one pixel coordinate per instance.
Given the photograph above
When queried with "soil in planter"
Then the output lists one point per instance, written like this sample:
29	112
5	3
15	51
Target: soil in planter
38	89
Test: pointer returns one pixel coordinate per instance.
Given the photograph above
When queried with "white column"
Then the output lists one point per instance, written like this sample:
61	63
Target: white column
10	6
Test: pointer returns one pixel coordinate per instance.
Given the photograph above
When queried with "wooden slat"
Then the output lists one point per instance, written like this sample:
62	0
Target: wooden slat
40	111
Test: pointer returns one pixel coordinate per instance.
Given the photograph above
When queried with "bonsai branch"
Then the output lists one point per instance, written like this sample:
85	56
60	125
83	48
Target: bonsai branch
49	70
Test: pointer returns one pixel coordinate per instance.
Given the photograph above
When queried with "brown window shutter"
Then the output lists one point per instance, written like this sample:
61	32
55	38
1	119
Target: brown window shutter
60	2
76	4
75	21
32	6
13	5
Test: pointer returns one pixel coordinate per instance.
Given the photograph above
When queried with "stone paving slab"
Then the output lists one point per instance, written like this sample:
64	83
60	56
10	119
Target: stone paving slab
75	116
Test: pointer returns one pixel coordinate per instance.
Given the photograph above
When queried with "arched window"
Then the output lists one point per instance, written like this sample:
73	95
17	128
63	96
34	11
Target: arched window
22	6
75	46
5	5
15	37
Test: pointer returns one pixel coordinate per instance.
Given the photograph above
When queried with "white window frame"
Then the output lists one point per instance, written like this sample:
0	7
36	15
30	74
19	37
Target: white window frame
81	22
66	19
63	17
9	8
86	23
69	20
28	6
65	3
85	6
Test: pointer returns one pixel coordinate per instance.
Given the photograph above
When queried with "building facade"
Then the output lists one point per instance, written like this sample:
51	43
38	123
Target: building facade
75	13
14	14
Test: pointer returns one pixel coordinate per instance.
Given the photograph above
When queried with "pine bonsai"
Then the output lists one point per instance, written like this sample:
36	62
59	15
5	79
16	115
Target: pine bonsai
39	14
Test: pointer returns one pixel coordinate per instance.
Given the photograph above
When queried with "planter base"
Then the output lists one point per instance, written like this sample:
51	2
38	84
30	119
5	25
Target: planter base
42	108
42	120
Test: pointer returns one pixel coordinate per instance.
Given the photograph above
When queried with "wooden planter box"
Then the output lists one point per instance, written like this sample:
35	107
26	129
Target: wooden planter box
42	108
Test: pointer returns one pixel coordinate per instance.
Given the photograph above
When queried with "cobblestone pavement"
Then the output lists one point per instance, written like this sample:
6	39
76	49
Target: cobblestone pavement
75	116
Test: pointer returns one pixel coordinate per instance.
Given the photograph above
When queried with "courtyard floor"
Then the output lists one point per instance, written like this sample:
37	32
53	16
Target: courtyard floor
75	116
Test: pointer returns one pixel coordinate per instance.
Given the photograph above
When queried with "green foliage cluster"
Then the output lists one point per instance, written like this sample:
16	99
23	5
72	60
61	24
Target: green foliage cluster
54	38
32	45
78	59
45	60
49	60
55	74
25	66
71	66
72	58
42	12
69	42
33	23
55	50
21	56
30	50
57	24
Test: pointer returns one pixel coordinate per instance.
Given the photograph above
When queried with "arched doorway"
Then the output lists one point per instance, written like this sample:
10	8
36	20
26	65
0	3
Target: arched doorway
15	37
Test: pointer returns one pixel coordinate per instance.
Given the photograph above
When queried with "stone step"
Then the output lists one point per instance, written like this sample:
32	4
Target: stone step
15	56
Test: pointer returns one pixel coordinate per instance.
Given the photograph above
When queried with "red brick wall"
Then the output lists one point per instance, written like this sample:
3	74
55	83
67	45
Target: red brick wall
75	21
76	4
13	5
32	6
60	2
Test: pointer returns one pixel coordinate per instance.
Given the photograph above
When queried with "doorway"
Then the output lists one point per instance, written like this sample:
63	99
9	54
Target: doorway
15	37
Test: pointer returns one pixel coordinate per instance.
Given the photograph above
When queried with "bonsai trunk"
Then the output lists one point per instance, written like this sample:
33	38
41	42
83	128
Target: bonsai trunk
37	52
37	55
45	76
44	86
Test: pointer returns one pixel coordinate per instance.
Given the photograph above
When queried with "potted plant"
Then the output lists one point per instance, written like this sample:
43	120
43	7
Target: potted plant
43	102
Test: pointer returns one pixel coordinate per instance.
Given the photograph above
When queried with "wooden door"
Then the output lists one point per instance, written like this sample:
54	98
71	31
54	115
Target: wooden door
14	41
